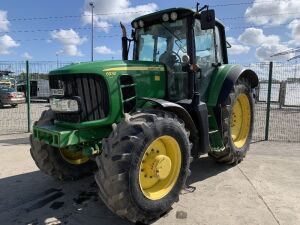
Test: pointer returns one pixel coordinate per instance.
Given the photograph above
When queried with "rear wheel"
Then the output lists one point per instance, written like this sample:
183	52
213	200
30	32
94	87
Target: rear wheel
144	165
62	164
237	124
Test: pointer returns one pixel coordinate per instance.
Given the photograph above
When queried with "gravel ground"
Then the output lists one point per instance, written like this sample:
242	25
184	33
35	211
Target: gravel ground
263	189
284	123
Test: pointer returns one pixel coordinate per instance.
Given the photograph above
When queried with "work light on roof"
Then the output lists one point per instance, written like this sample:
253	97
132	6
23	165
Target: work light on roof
141	23
165	17
135	24
174	16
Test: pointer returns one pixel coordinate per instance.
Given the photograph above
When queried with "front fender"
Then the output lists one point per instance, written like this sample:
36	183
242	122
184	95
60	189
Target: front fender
223	80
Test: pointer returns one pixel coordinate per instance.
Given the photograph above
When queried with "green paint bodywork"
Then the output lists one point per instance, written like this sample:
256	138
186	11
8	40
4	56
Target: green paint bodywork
216	83
149	76
150	81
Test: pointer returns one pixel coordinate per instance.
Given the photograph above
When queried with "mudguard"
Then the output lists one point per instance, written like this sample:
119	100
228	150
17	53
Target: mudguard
223	80
199	142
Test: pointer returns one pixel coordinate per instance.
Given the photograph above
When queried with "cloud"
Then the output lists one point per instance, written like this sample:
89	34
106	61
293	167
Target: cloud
265	51
4	23
103	50
6	42
114	12
266	45
253	36
236	48
272	12
70	40
294	26
26	56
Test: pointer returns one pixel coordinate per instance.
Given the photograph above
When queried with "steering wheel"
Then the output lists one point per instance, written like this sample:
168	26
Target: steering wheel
178	58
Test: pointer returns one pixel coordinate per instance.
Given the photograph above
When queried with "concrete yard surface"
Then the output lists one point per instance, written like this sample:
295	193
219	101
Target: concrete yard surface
263	189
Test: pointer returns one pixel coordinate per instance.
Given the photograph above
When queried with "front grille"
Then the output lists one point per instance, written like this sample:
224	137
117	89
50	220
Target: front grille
92	91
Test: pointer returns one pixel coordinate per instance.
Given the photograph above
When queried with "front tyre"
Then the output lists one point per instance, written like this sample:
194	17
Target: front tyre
237	124
61	164
144	165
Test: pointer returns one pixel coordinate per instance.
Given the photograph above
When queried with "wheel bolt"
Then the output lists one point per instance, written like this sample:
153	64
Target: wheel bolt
145	175
157	151
151	177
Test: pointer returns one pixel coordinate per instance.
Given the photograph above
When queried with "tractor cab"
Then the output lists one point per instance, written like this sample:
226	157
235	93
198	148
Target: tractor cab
190	44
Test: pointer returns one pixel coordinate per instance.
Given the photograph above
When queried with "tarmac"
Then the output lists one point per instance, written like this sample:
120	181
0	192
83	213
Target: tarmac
263	189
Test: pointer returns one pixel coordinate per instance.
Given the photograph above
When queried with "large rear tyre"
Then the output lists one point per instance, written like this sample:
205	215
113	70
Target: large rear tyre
59	163
237	124
144	165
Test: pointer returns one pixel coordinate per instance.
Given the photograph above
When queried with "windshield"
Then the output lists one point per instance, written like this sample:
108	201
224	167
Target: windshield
160	40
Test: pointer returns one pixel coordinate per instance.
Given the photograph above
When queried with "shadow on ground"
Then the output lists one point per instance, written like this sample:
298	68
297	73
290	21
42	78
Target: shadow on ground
37	199
15	141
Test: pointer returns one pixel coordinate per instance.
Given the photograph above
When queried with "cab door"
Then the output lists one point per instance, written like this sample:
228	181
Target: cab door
208	55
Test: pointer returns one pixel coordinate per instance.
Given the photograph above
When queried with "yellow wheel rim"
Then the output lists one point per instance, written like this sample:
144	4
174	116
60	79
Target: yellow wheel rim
160	167
240	120
73	157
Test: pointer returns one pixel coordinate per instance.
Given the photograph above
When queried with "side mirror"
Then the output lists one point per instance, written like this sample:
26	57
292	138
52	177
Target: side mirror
208	19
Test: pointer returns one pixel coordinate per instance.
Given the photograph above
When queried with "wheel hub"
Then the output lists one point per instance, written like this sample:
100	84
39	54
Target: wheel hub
160	167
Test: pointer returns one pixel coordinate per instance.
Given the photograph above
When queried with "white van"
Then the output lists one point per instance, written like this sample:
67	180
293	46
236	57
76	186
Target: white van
39	89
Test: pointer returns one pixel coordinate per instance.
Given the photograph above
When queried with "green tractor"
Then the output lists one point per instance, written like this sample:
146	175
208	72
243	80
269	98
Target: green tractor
137	124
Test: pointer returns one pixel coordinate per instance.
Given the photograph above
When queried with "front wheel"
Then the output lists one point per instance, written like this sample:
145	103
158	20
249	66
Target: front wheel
237	124
61	164
144	165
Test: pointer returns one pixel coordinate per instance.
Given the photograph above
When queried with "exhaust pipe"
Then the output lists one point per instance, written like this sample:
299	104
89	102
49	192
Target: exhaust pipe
124	42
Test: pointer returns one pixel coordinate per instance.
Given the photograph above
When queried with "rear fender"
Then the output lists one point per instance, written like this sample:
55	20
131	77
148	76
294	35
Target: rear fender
224	79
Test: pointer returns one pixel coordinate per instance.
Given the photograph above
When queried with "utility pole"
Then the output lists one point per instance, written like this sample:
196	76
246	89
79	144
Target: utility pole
92	32
56	59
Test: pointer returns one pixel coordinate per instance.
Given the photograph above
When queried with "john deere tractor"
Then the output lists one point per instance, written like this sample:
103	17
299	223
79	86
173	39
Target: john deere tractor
138	123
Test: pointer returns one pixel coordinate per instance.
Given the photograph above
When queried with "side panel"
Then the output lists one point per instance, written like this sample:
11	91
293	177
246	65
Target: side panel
223	80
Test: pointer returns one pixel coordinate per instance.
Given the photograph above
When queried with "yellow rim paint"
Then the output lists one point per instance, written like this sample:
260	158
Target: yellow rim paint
240	120
135	68
160	167
75	158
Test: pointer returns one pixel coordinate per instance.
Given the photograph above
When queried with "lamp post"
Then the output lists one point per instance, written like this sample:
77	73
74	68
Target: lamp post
92	32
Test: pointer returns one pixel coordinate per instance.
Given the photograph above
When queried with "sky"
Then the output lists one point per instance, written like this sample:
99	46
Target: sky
60	30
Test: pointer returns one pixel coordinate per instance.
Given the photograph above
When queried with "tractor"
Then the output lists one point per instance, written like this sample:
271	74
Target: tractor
137	124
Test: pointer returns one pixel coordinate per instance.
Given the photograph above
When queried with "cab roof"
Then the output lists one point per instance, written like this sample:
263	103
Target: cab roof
155	17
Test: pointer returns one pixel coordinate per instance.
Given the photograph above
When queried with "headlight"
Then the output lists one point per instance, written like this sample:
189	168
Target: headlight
64	105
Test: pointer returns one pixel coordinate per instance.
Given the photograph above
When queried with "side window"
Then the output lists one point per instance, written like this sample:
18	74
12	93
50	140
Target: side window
161	47
205	56
204	41
146	46
219	45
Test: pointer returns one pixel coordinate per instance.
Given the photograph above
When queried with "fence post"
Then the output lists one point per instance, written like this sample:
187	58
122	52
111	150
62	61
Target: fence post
269	101
28	96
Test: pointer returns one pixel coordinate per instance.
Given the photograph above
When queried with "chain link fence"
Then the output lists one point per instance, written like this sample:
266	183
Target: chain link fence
280	123
14	118
281	120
